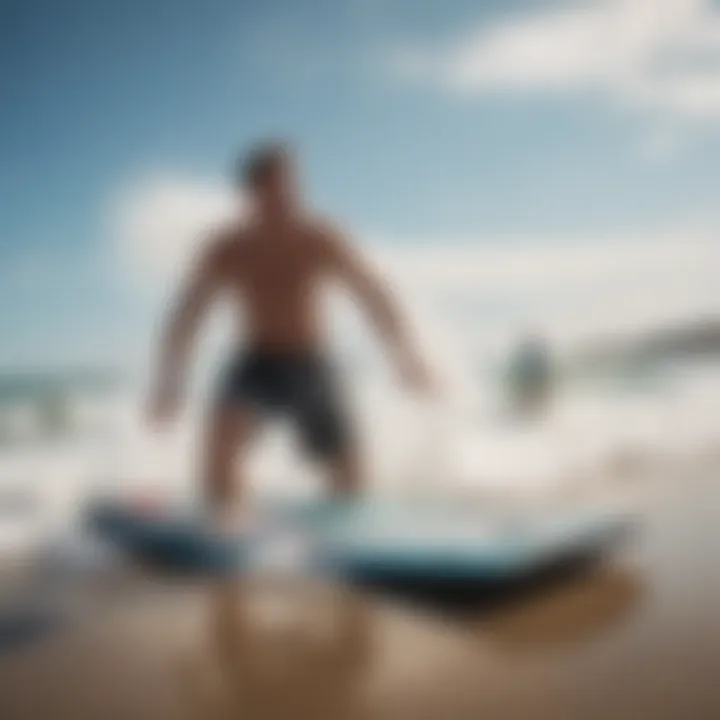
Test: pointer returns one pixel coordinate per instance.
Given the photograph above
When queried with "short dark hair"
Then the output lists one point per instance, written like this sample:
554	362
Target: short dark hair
260	162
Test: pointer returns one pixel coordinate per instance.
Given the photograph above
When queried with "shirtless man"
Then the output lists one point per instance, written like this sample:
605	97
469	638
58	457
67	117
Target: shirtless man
274	266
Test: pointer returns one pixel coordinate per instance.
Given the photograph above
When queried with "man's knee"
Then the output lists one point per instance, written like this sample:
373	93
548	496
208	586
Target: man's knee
227	434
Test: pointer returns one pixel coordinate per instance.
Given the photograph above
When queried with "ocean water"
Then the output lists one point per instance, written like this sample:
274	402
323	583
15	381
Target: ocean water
596	431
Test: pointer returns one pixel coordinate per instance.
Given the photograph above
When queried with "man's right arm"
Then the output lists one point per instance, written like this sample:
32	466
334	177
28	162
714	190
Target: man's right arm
181	326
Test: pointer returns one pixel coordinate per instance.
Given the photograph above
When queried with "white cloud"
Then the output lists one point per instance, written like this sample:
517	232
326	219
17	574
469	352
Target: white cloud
573	290
662	54
159	221
480	290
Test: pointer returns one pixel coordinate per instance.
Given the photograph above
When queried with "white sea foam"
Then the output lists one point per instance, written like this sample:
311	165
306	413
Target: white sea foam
410	447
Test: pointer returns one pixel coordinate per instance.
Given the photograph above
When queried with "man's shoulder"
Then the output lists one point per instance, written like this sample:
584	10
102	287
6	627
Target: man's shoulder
224	244
321	227
324	233
230	237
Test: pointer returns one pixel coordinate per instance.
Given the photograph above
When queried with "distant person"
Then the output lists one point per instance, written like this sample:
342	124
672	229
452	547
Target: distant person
531	376
274	267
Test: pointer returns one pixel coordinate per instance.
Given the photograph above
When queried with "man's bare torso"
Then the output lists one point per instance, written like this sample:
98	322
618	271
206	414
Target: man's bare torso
275	274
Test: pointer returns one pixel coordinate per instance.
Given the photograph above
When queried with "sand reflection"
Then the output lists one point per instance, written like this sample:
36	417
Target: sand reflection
302	655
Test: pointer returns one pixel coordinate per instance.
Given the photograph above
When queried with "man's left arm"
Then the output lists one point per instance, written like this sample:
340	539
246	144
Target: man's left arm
379	303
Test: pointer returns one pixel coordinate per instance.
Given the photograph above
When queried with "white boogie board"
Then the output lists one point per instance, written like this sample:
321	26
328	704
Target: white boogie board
372	540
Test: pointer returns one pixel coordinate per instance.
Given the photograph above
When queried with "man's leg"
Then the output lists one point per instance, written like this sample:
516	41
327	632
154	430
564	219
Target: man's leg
229	431
326	429
345	473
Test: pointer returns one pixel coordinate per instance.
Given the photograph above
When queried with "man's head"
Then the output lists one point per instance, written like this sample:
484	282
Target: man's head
268	175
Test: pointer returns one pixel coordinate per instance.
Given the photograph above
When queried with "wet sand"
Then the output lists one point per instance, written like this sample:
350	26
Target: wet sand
636	637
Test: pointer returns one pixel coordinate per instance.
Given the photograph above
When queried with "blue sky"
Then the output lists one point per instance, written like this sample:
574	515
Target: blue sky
413	123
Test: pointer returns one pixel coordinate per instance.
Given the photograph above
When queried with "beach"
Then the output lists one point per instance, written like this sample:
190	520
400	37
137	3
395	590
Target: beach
636	636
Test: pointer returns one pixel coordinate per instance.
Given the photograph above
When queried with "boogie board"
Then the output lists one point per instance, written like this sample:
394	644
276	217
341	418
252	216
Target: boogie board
167	536
370	540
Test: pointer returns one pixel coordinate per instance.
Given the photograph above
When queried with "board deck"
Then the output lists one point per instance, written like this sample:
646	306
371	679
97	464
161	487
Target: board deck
368	539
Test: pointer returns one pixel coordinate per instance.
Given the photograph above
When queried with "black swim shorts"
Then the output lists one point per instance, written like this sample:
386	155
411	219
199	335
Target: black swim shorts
302	388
